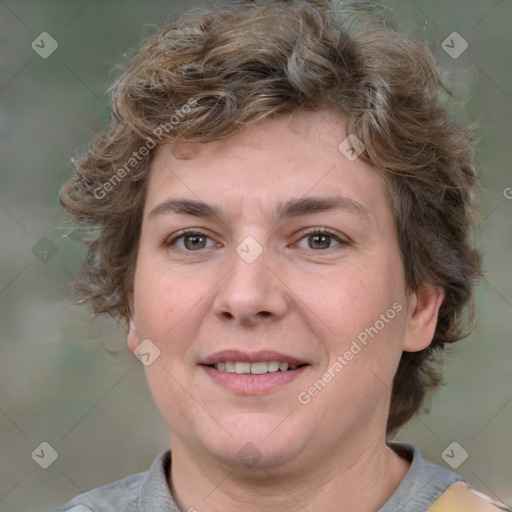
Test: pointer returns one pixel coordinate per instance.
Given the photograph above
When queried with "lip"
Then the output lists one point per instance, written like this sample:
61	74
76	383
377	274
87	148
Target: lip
250	357
247	384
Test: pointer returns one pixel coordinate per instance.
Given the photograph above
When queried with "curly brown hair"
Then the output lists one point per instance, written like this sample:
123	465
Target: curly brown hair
235	64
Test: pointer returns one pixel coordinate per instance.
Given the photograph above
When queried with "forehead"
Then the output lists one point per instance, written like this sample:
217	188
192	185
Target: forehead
258	168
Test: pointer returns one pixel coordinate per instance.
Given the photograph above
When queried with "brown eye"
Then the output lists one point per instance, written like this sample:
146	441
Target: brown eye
192	241
321	239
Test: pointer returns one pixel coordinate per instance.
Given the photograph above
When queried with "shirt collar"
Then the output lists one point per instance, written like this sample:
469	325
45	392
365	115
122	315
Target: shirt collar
422	480
154	493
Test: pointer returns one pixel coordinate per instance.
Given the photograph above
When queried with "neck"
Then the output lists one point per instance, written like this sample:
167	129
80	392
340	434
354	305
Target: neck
353	479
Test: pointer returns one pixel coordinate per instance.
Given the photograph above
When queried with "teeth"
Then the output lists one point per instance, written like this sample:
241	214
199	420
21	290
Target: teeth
242	367
258	368
230	367
272	366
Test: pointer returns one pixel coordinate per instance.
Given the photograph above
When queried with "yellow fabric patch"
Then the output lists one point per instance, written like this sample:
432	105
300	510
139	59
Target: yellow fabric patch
460	498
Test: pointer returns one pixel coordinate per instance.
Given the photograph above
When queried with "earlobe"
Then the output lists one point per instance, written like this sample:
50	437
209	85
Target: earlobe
423	310
133	336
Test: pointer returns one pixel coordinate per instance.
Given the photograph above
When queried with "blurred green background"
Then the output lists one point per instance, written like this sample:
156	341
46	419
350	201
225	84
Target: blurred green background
59	380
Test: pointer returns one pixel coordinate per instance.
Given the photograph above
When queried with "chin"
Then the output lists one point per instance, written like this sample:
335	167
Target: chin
256	440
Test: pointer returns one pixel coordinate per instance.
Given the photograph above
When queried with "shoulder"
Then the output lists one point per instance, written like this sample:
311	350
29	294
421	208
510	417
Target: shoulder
148	489
120	495
460	498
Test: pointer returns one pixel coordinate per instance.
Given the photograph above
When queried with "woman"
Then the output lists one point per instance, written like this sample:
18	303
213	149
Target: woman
282	210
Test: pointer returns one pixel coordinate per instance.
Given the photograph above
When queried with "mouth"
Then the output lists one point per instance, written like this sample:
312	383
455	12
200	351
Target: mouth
252	373
256	368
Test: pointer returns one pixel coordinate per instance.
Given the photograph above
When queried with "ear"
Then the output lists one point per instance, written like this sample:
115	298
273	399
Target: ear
422	310
133	336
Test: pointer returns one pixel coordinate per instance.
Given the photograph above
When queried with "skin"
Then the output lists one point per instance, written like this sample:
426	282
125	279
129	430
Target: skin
298	297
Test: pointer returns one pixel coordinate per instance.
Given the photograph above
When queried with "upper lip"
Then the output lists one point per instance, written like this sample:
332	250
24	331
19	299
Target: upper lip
250	357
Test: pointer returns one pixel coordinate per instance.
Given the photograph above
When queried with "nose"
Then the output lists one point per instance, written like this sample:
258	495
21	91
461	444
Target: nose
252	292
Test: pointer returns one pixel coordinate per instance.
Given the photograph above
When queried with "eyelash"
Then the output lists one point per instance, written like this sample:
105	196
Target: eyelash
324	231
313	231
182	234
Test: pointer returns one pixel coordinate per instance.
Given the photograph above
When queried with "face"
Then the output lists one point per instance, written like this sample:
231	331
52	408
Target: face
267	250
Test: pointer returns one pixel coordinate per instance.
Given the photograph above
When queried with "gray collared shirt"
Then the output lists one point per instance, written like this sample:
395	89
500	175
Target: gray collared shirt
149	492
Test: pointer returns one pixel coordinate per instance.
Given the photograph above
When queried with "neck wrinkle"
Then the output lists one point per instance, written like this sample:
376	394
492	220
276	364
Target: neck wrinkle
375	473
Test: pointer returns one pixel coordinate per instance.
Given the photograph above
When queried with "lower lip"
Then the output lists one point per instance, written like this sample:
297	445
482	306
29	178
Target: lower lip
249	384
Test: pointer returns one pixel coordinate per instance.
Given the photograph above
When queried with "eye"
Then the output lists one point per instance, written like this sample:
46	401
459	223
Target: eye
321	239
190	241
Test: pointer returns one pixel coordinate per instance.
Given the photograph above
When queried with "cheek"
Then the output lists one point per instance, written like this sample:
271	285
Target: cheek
160	296
170	304
364	310
350	298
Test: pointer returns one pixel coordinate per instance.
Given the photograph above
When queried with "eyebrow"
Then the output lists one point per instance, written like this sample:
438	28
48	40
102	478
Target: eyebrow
295	207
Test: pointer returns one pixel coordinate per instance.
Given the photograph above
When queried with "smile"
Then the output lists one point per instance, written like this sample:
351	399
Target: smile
243	379
253	373
256	368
